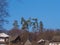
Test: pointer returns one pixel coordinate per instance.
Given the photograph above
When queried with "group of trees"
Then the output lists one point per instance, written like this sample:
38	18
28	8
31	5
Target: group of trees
33	24
38	31
28	29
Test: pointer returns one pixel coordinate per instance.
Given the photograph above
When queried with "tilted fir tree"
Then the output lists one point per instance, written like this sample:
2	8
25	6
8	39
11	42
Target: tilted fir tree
15	24
41	26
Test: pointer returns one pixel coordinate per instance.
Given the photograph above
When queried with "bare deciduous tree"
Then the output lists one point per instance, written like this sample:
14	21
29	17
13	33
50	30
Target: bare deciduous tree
3	12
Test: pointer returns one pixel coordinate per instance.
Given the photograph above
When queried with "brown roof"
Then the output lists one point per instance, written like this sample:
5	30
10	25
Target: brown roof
13	37
28	42
34	43
56	39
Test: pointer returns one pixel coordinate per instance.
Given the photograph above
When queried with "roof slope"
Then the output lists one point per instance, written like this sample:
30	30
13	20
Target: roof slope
56	39
27	43
3	35
40	40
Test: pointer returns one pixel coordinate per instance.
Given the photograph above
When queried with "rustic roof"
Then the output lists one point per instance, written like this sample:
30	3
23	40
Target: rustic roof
34	43
28	43
12	38
3	35
46	42
41	40
56	39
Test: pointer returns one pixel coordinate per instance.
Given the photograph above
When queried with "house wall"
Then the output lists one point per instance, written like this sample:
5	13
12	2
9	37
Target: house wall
2	40
54	43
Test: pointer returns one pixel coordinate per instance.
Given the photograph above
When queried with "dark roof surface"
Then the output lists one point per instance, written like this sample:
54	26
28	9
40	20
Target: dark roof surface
56	39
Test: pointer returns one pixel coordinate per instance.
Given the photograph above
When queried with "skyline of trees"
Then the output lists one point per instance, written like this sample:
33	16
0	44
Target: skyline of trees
31	24
25	34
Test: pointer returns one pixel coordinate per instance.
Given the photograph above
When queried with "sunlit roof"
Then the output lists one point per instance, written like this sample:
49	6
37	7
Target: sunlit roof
3	35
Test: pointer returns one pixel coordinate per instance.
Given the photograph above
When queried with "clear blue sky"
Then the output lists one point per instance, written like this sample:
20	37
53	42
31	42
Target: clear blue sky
46	10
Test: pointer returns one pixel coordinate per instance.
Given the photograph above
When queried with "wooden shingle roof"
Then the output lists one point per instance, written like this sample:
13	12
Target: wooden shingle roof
56	39
28	43
12	38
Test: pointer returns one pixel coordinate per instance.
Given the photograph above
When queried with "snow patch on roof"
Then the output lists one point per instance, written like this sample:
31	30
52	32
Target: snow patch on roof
40	40
3	35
